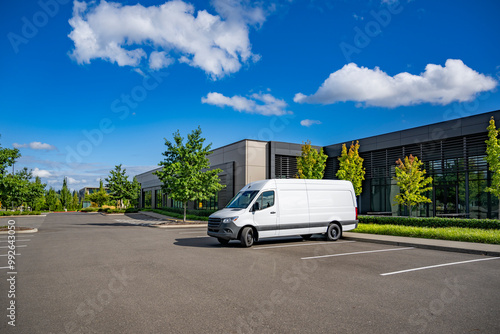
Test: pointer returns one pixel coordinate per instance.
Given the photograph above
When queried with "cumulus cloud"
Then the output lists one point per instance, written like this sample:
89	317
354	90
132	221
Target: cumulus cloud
263	104
72	180
218	44
41	172
309	122
437	85
36	145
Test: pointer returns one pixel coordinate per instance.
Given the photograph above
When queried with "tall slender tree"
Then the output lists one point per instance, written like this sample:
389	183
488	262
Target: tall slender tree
493	159
412	182
65	194
119	186
185	172
51	199
311	163
351	167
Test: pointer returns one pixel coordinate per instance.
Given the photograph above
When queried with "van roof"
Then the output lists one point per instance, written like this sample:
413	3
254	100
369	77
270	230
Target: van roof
273	183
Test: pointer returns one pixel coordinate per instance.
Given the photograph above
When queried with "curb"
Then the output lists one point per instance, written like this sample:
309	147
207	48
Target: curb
179	226
409	243
23	216
33	230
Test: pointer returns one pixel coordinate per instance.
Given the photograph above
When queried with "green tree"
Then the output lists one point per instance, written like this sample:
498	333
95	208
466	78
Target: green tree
120	188
35	194
351	167
14	188
100	197
75	202
412	182
185	170
8	157
493	159
51	199
65	195
311	164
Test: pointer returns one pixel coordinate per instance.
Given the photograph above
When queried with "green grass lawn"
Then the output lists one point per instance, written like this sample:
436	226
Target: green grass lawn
443	233
177	215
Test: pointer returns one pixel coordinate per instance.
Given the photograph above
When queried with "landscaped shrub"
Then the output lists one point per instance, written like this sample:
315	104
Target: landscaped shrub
19	213
131	210
432	222
89	209
202	213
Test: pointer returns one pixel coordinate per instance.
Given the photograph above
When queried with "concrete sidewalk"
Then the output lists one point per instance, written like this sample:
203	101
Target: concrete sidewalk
444	245
171	221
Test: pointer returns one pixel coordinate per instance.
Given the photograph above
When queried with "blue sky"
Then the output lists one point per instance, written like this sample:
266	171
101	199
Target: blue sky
89	85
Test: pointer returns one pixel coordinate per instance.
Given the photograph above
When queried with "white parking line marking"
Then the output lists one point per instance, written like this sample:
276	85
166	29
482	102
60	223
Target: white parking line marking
189	232
308	244
18	240
355	253
8	254
16	246
438	265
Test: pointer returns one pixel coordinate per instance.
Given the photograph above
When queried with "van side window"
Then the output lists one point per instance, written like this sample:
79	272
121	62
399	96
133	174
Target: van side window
266	200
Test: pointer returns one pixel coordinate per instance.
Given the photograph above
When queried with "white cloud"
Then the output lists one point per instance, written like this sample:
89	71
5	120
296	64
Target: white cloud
72	180
36	145
159	60
263	104
437	85
309	122
218	44
41	173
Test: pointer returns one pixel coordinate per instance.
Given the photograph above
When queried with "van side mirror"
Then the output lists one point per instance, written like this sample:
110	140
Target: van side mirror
255	207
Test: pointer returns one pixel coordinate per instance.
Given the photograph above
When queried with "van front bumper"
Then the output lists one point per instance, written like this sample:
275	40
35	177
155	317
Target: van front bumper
217	229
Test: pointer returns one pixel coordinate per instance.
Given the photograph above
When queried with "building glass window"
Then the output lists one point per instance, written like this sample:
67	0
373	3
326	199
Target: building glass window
158	199
146	199
210	204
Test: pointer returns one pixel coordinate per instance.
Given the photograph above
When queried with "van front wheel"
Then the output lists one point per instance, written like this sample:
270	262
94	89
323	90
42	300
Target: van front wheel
246	237
334	232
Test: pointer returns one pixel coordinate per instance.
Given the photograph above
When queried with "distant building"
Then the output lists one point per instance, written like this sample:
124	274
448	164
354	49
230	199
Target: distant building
452	152
88	190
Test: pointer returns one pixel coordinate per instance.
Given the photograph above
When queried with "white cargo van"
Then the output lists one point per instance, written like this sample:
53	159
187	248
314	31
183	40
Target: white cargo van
284	207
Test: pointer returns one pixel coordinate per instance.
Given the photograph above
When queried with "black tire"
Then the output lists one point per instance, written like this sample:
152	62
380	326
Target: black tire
334	232
306	236
247	237
223	241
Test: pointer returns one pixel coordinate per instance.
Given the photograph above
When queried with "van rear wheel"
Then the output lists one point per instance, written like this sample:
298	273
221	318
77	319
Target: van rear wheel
246	237
334	232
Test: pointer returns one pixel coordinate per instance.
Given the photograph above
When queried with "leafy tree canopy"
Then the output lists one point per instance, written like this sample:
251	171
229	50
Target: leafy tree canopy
311	163
351	167
412	182
185	172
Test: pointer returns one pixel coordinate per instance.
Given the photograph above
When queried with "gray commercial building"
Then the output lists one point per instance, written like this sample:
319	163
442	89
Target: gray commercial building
452	151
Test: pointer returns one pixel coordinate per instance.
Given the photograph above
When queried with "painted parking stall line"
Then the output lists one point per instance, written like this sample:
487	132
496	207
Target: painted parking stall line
307	244
357	253
437	266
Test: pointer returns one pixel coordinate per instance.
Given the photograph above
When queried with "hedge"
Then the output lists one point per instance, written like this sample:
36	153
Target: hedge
201	213
19	213
109	210
484	224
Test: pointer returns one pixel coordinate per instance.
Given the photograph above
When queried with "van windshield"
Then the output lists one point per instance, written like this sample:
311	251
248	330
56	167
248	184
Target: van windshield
242	199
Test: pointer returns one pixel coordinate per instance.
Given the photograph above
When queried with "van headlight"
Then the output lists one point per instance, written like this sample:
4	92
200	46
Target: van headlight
229	220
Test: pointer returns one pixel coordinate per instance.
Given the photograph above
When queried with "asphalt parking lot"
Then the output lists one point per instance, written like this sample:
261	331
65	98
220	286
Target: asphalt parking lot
89	273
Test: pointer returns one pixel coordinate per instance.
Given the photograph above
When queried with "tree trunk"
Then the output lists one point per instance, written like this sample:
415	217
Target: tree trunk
185	207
